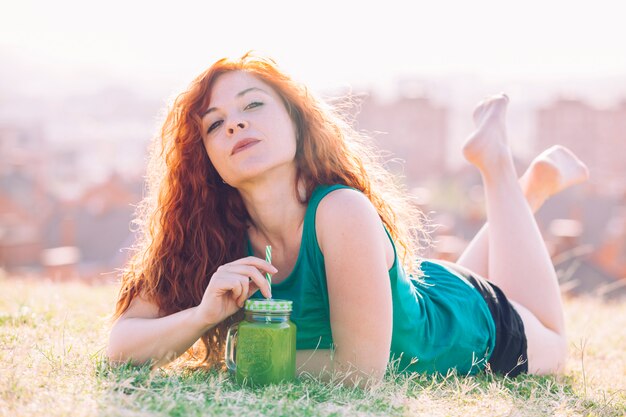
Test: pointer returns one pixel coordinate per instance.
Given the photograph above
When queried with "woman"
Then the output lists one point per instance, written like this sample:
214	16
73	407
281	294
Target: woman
250	158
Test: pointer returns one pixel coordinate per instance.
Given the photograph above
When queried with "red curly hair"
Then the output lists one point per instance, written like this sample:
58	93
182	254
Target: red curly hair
192	222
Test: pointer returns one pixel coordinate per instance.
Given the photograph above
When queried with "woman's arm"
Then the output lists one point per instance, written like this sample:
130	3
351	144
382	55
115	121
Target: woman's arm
354	243
140	335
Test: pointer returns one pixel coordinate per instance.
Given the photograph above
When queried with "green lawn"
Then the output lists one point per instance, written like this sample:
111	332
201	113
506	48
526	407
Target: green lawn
52	336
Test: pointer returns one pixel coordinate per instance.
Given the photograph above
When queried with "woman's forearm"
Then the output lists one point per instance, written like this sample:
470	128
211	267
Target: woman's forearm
160	340
328	366
317	363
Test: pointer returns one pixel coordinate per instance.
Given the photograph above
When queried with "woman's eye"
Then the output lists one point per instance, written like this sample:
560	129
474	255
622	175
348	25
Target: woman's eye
214	126
253	105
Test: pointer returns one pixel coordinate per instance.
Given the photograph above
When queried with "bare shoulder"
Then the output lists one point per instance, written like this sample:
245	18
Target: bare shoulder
341	202
346	211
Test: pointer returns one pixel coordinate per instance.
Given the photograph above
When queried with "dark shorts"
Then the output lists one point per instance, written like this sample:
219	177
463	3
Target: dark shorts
509	355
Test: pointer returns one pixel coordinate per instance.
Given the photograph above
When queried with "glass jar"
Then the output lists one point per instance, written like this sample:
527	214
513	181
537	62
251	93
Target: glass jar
261	349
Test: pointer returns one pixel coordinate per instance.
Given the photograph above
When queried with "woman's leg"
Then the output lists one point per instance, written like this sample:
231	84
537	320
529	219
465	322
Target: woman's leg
551	172
518	262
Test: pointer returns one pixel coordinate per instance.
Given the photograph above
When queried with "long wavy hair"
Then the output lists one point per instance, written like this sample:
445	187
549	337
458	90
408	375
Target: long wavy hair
190	222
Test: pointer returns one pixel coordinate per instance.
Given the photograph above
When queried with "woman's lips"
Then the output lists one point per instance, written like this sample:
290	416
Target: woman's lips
244	144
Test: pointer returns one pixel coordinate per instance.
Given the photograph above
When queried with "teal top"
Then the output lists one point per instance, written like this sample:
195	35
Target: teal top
440	322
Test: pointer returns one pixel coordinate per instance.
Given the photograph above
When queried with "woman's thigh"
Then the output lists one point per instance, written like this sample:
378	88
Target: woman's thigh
547	350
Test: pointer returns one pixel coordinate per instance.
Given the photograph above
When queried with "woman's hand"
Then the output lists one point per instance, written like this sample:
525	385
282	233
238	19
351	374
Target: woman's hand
230	286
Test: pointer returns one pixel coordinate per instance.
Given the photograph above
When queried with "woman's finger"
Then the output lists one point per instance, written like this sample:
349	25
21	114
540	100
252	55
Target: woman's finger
244	270
236	288
254	274
252	288
256	262
244	292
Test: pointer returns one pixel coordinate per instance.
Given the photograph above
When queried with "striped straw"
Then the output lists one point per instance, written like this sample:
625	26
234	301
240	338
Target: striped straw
268	259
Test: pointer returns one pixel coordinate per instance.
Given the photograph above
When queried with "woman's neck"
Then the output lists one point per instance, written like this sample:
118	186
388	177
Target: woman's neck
276	213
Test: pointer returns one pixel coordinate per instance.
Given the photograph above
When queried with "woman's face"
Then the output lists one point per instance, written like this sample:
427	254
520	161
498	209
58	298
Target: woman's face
246	128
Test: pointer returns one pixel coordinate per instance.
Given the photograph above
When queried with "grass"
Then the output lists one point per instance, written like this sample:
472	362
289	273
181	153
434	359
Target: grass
52	337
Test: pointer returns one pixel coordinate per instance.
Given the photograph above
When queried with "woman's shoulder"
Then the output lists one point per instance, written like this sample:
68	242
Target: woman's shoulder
335	199
344	203
344	210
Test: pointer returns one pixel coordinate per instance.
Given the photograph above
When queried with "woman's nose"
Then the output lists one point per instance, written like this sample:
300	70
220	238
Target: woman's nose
236	126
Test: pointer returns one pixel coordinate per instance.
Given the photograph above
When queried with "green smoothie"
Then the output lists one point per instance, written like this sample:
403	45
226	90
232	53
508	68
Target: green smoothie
266	352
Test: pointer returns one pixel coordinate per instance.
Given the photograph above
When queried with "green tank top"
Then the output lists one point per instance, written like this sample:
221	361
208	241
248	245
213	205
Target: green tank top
440	322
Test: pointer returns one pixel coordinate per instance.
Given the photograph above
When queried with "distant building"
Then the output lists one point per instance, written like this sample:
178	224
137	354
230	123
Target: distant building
24	201
597	135
59	238
55	219
413	130
98	224
20	235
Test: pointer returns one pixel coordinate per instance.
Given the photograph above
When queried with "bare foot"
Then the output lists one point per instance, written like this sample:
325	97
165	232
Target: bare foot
488	143
551	172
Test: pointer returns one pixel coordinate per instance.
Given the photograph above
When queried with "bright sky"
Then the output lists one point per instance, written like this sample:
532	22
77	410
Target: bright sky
324	43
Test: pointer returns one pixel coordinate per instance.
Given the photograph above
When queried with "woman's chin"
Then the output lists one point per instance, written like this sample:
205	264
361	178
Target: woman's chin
254	172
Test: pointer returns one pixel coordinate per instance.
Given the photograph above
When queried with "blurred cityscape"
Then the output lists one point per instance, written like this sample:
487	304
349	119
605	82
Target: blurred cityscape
71	173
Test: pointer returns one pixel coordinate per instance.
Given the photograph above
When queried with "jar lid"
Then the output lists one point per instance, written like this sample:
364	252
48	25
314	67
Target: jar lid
265	305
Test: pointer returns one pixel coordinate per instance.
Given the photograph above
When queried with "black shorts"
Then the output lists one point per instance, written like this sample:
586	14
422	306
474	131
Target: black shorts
510	356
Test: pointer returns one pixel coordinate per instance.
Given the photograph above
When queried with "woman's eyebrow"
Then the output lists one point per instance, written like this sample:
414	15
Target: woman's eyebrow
239	94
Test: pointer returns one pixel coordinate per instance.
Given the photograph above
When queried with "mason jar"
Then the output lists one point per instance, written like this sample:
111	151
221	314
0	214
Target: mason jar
261	349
